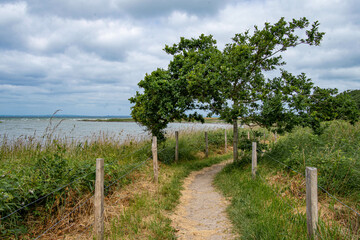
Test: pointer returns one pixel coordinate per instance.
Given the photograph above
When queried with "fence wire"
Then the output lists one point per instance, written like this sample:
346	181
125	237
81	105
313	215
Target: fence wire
64	186
43	197
320	187
67	215
106	187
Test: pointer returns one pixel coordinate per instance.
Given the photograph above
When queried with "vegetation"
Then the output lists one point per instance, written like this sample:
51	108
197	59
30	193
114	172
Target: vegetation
229	83
206	120
31	171
335	153
273	206
355	95
146	217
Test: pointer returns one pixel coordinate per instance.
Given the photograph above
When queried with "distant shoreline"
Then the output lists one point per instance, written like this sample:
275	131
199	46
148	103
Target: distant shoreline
207	120
64	116
108	120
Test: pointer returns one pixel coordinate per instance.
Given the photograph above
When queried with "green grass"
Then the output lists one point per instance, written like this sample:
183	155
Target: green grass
259	211
30	170
147	215
335	153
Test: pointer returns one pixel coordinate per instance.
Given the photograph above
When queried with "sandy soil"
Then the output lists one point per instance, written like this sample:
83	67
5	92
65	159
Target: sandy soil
201	212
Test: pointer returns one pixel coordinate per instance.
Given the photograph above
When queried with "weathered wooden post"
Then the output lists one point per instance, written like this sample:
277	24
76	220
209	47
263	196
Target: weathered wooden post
225	141
235	140
206	145
248	133
176	146
275	136
155	159
99	199
254	161
311	201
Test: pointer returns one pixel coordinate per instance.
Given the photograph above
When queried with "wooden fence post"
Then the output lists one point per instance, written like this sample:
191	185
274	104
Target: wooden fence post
248	135
206	145
275	136
254	161
155	159
99	199
225	141
235	140
311	201
176	146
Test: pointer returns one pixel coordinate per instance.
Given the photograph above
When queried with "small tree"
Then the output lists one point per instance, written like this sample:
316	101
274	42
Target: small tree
229	83
167	97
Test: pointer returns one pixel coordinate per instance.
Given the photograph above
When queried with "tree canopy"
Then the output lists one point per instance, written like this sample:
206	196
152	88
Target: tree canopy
231	82
355	95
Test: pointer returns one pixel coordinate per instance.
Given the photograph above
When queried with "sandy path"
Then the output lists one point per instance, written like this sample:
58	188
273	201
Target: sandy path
201	212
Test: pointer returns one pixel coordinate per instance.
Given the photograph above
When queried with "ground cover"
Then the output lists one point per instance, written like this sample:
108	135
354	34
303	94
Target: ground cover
273	205
31	171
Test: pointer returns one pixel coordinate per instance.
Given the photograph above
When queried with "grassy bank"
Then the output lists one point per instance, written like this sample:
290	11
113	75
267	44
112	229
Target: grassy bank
273	205
45	181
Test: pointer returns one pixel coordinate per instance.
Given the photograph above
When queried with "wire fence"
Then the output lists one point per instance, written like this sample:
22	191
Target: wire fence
320	187
262	151
129	168
126	170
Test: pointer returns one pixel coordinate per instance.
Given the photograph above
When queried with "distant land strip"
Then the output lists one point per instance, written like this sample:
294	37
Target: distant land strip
207	120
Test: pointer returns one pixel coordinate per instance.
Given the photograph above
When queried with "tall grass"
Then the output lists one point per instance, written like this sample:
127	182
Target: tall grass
336	154
273	206
61	172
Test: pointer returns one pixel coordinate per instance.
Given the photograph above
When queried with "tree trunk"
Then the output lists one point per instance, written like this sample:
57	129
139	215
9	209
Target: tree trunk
235	140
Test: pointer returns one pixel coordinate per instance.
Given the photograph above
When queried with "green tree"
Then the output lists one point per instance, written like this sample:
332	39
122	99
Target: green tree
229	83
166	95
327	105
355	95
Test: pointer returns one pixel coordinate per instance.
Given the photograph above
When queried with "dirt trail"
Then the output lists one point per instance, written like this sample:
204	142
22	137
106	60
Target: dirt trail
201	212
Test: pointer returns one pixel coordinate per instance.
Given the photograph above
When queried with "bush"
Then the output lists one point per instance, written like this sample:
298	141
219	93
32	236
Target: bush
335	153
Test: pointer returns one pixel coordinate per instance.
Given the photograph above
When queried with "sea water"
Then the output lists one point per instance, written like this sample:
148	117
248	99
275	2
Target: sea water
79	130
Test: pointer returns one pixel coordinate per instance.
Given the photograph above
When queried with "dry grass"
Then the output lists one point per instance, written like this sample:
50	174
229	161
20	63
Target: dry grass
79	225
330	211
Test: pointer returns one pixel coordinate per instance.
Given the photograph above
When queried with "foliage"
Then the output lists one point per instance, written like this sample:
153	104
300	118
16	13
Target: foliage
228	83
236	79
327	105
166	97
335	153
259	210
30	171
355	95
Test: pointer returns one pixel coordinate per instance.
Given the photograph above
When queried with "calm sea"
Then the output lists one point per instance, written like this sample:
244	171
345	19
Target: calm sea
74	128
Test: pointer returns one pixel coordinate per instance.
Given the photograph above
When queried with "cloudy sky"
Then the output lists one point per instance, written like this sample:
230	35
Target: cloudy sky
87	56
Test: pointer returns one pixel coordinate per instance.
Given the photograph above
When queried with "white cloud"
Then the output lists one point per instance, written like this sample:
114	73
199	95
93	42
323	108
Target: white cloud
73	54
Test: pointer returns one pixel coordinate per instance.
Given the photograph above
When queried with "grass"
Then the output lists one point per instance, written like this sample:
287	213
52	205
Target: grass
31	170
262	211
273	206
147	215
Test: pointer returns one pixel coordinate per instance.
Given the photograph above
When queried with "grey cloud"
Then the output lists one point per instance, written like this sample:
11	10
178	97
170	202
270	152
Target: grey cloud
93	9
87	57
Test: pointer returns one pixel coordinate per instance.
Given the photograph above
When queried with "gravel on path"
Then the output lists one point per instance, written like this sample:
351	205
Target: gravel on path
201	213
